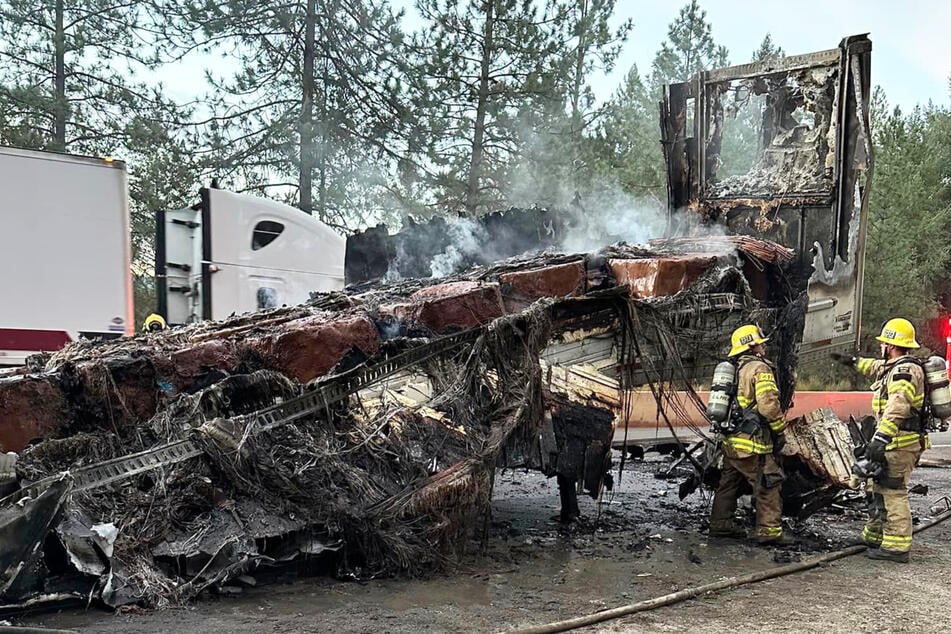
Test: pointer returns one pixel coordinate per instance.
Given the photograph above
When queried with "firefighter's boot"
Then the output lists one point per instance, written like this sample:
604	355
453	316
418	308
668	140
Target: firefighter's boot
887	555
782	540
728	532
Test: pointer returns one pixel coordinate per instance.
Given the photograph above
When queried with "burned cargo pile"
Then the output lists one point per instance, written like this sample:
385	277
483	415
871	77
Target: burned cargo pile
361	431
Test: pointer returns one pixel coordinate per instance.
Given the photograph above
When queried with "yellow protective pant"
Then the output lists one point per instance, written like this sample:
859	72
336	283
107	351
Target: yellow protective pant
889	521
758	471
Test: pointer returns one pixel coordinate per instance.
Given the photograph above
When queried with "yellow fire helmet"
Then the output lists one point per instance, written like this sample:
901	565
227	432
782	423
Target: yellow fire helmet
898	332
744	337
154	322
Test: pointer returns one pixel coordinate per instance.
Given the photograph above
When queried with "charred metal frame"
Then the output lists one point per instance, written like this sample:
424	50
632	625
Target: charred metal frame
824	224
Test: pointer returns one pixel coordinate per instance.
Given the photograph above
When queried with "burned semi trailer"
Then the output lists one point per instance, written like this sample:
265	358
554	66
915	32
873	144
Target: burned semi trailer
362	429
780	149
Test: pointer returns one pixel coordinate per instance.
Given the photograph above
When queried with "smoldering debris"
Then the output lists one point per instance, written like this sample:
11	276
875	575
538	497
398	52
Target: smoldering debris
359	433
441	247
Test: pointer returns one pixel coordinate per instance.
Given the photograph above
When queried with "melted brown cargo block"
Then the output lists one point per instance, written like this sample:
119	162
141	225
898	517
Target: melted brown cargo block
308	348
656	277
521	288
130	381
30	408
452	306
190	362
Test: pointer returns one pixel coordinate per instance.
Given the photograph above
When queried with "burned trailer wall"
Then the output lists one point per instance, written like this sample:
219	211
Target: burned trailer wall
781	150
443	246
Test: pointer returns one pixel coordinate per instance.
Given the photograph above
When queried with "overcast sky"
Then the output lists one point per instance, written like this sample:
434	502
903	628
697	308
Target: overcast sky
911	47
911	56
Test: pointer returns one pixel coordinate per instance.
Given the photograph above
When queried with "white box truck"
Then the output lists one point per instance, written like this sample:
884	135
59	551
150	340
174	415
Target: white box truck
64	261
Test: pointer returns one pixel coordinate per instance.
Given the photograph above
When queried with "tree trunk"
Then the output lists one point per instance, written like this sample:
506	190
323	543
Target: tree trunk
577	120
322	152
307	153
59	81
579	65
478	137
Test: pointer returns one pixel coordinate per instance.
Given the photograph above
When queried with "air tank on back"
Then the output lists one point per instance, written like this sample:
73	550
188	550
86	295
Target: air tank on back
721	390
936	376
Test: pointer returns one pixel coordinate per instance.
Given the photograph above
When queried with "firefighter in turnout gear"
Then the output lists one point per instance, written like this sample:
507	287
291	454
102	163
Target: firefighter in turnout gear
748	452
898	398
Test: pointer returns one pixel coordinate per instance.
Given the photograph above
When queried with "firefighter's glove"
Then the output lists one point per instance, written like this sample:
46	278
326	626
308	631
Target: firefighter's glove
865	469
876	448
779	442
845	359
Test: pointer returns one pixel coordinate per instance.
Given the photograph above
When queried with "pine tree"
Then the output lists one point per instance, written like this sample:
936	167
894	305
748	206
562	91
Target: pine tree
68	72
689	49
558	163
315	112
489	72
630	135
591	45
909	214
768	50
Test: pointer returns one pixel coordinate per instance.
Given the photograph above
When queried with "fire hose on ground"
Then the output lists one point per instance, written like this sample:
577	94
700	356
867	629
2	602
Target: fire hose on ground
695	591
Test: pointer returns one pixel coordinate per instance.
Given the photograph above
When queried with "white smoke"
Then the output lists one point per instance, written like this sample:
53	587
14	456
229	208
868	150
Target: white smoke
396	265
608	216
605	215
467	238
595	212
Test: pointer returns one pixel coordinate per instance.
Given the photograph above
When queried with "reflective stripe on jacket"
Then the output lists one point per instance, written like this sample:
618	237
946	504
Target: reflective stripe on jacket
756	387
898	395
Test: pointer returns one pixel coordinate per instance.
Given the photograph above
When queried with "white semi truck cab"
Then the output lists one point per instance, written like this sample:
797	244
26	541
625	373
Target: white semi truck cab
235	253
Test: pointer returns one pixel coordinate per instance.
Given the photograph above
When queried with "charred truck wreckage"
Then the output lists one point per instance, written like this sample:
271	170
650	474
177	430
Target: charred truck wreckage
806	188
363	429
